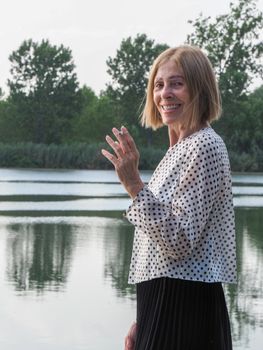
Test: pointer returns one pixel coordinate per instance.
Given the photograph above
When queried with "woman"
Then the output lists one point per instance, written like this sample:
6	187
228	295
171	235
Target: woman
184	243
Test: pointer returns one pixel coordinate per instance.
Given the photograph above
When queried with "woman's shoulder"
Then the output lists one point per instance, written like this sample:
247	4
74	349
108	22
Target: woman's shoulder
206	148
206	140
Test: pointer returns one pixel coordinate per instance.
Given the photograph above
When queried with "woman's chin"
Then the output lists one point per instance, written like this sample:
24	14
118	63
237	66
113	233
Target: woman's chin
169	121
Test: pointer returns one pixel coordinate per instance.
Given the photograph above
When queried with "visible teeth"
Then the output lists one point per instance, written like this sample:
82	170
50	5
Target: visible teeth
167	108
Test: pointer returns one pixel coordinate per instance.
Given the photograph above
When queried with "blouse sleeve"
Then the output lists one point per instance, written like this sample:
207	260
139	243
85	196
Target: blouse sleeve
177	228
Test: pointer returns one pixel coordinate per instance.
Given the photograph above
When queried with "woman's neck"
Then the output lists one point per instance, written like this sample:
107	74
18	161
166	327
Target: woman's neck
177	133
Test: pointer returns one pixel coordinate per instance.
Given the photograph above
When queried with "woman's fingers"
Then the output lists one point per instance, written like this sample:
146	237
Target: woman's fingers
115	146
129	139
120	136
124	148
125	162
125	140
109	156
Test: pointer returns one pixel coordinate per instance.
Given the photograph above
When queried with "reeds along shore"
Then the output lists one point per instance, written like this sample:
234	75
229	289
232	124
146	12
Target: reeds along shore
67	156
88	156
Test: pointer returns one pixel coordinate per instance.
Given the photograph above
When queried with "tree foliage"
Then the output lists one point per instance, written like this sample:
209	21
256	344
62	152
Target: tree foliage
246	142
44	90
1	94
130	67
96	118
128	71
234	46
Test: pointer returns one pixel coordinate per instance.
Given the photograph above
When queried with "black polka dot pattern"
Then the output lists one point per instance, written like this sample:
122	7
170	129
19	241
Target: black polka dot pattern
184	218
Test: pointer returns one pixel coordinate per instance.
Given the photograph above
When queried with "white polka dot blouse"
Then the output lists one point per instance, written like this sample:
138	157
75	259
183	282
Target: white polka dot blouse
184	218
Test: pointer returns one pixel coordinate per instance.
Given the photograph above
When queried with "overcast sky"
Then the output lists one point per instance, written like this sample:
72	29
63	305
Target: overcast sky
94	29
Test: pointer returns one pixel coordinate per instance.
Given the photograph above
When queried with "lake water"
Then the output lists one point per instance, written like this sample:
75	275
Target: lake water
64	260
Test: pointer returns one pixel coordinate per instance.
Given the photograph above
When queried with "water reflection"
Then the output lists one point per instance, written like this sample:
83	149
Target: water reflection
118	247
245	299
39	255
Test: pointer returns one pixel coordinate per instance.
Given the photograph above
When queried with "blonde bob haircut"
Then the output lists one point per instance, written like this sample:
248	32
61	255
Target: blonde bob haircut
205	101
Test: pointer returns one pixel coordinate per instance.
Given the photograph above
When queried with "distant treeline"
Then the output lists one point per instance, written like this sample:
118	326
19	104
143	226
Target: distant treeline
47	120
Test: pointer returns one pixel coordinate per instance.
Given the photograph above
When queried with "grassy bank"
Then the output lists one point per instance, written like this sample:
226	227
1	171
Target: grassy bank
72	156
88	156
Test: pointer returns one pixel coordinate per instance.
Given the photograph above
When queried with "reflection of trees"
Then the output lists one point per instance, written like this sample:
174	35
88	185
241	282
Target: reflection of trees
244	298
39	255
118	248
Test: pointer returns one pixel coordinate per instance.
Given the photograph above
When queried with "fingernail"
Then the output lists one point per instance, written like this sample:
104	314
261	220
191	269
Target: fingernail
124	129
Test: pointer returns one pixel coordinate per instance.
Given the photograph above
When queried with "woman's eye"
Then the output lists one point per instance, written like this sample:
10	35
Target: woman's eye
158	85
177	83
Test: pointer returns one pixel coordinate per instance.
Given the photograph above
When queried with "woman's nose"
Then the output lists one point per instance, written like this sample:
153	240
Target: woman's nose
166	92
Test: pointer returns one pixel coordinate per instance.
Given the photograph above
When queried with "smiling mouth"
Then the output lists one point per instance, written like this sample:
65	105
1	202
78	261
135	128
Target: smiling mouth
170	107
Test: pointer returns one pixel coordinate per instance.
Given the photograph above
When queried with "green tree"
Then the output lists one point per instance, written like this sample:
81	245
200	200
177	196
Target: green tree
9	130
233	44
248	154
1	94
96	118
8	127
43	91
128	71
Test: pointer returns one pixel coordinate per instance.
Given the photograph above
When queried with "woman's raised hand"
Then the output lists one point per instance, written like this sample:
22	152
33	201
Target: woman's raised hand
125	160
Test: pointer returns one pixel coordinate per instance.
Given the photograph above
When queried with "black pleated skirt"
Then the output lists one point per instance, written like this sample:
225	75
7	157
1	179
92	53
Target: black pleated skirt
175	314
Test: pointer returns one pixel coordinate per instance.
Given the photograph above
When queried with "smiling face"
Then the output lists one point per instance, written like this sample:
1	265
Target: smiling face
171	95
